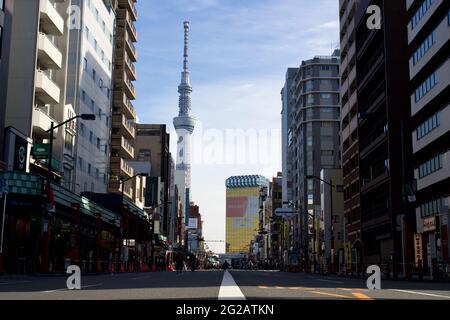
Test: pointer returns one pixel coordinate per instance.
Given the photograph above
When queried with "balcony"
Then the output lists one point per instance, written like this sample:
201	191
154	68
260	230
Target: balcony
129	87
130	68
132	32
47	91
125	169
127	148
127	106
48	54
131	49
127	129
42	122
129	5
51	21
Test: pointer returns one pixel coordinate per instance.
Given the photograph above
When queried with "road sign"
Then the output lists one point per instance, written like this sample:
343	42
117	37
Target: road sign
284	212
40	151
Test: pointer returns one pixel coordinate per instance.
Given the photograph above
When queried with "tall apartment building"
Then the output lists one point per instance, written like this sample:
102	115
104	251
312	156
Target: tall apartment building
286	120
89	91
152	145
383	130
314	143
36	84
429	73
123	113
349	127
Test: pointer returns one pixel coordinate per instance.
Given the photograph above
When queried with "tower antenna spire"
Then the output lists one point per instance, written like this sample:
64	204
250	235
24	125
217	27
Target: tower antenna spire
186	45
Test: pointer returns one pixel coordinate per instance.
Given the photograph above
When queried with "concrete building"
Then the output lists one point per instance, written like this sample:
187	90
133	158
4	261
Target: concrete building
429	73
286	134
184	125
383	128
349	124
314	143
35	86
123	132
332	220
243	201
89	83
152	145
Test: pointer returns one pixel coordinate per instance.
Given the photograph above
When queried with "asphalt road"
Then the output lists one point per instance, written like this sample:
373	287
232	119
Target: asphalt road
215	285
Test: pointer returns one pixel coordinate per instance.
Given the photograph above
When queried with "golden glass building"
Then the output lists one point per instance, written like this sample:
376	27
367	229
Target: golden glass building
242	211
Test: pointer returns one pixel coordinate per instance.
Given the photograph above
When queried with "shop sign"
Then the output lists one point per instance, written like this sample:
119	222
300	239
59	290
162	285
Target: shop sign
418	252
429	224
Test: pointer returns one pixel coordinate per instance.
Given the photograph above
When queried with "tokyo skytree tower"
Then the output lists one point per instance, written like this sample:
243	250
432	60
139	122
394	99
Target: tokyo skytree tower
184	125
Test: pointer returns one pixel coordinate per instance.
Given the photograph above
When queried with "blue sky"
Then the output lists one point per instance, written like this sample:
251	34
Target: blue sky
239	52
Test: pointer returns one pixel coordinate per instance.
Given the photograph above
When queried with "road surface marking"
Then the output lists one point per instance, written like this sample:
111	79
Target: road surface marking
15	282
331	294
332	281
361	296
352	289
263	287
423	293
139	278
82	287
229	290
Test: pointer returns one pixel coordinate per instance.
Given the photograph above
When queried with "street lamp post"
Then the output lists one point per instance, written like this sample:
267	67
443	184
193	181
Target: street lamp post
45	238
51	132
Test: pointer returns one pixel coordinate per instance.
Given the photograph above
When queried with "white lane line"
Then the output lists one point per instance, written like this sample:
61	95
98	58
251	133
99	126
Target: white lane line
423	293
332	281
139	278
15	282
65	289
229	290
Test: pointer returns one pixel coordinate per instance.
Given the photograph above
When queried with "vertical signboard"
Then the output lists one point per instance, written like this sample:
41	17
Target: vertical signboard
418	252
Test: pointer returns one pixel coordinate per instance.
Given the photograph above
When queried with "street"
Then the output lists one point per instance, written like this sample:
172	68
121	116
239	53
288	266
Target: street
213	285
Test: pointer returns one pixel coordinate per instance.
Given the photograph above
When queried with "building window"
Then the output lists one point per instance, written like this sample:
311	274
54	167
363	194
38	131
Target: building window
426	87
97	173
89	169
98	143
82	129
92	105
325	96
68	142
424	47
427	126
430	166
430	208
85	65
80	163
420	13
83	95
91	136
94	75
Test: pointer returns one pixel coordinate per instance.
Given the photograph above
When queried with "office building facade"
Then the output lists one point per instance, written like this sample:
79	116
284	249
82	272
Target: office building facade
429	74
313	143
89	82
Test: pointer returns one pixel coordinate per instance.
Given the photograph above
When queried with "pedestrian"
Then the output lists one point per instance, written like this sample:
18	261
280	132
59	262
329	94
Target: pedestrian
193	263
179	263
